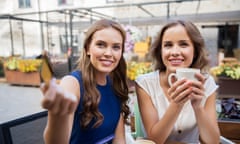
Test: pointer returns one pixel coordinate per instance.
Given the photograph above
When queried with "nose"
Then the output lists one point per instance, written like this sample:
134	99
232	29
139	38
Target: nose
175	51
108	51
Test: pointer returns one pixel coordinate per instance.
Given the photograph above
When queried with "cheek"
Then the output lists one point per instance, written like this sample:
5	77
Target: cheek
164	54
94	52
117	55
190	55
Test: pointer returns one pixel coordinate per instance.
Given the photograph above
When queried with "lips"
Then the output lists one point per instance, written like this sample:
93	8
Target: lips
176	61
106	62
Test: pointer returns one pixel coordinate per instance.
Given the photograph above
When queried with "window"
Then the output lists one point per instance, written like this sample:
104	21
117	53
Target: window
65	2
228	38
24	3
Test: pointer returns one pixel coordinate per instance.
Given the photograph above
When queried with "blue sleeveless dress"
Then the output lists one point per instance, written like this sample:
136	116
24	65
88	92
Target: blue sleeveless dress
110	108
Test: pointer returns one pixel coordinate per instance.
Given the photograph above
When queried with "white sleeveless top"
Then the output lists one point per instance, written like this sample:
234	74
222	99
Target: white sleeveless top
186	121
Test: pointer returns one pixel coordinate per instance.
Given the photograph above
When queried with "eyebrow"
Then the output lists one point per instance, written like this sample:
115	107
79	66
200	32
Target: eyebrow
116	43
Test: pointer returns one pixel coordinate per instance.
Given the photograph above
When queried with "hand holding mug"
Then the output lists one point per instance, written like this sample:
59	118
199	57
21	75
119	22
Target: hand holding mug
181	90
197	81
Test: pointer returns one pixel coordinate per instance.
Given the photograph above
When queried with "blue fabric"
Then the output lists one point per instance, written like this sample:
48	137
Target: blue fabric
109	106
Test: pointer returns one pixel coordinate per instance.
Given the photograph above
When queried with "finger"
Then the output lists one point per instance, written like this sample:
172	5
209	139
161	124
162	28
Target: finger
173	91
199	85
183	95
64	106
181	87
202	77
49	96
43	88
46	104
56	108
73	105
183	101
197	91
52	99
68	104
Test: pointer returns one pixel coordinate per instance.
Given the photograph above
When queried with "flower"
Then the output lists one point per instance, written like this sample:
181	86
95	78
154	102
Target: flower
23	65
231	70
134	69
133	34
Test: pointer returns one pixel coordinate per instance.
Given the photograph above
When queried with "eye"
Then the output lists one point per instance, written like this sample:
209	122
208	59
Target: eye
167	45
184	44
100	44
116	47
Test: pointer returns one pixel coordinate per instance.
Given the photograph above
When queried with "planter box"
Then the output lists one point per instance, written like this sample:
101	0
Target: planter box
230	130
228	86
21	78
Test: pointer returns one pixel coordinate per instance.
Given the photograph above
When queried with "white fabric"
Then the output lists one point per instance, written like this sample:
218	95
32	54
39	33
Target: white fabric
186	121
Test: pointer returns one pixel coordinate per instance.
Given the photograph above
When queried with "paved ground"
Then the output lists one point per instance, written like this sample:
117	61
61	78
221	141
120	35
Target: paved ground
18	101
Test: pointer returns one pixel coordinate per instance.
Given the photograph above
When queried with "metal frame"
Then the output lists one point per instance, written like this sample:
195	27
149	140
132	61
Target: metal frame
82	17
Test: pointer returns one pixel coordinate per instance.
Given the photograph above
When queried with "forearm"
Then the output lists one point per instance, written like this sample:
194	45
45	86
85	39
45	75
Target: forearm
120	132
208	128
57	130
161	131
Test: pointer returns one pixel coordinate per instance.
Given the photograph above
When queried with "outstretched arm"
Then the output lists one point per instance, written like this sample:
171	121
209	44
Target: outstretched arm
61	102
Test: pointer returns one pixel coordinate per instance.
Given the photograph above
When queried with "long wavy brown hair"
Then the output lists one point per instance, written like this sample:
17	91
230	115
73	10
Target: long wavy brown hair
91	97
200	59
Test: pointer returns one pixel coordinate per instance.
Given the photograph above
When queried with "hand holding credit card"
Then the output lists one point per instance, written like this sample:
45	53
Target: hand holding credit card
52	99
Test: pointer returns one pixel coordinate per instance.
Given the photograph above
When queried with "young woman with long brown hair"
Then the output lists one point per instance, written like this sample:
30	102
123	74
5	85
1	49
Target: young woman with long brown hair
90	104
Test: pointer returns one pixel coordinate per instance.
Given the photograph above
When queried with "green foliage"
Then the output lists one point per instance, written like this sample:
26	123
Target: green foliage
227	70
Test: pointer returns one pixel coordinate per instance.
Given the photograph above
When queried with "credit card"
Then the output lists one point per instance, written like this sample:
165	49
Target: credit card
46	70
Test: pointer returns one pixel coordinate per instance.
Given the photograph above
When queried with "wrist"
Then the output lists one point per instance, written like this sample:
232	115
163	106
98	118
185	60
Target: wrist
197	108
175	106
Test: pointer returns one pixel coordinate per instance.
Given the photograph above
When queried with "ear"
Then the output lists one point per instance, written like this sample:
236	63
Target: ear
88	53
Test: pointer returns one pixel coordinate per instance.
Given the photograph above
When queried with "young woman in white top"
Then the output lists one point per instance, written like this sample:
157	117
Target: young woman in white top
184	112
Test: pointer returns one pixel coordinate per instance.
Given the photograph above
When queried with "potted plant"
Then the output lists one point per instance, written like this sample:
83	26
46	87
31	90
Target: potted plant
23	71
227	76
135	69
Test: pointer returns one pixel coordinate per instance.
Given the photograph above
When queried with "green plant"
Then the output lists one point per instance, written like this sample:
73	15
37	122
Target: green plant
231	70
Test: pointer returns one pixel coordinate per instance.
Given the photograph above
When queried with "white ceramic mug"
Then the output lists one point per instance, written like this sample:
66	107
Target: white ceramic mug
188	73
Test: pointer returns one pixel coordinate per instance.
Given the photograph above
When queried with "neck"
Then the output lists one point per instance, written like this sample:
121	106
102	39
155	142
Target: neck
164	83
164	80
101	79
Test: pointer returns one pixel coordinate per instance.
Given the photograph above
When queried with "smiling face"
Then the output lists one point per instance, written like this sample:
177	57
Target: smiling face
105	49
177	48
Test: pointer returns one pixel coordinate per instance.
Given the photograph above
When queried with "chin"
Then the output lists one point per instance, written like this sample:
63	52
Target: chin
173	68
106	70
